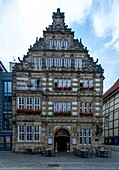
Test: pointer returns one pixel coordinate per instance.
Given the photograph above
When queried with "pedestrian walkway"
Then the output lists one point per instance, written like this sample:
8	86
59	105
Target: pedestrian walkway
61	161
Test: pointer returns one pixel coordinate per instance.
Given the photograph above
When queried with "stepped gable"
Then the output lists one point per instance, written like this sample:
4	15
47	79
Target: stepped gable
58	27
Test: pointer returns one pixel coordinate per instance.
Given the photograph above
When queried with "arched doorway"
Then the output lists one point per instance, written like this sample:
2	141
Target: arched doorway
62	140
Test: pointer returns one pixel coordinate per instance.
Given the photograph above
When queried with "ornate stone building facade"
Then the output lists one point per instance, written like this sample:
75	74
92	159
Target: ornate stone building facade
57	93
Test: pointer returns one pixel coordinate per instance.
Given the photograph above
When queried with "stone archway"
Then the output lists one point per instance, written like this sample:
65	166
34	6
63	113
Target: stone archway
62	140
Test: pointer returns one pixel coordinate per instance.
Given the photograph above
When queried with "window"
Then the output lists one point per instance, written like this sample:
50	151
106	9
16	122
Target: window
68	106
81	107
51	44
65	62
81	136
62	106
106	120
90	136
64	83
90	107
78	62
56	43
86	83
55	83
60	83
29	103
90	83
56	62
7	105
69	62
51	62
21	131
86	107
55	106
38	63
37	103
81	83
65	44
60	44
36	133
85	136
60	62
21	102
29	133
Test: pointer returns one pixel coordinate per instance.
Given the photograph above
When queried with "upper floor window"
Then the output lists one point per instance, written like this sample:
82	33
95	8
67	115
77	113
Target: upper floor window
78	62
86	83
7	88
86	107
58	44
62	106
29	103
38	63
62	82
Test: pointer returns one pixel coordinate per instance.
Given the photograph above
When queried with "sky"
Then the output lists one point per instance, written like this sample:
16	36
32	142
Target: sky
95	21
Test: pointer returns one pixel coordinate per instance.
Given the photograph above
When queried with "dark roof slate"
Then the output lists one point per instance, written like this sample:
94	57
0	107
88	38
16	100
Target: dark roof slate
113	89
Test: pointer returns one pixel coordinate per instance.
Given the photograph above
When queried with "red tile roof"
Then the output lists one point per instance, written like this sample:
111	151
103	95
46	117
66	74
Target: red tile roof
113	89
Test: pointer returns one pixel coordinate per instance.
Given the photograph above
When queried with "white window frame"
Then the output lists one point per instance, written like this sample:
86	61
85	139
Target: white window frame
29	103
90	83
37	103
68	106
65	62
69	62
55	106
37	132
29	133
81	136
21	102
21	133
51	44
64	106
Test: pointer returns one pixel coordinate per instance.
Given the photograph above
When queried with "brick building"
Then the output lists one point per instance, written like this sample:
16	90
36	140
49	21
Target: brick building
57	93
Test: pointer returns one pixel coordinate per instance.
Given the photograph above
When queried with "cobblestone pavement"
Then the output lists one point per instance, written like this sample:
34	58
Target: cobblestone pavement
62	161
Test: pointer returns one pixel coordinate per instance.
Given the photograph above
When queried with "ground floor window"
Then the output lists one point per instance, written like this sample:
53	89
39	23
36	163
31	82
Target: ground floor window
5	142
29	133
85	136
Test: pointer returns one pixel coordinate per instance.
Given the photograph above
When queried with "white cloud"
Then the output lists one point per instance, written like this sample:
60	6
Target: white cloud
22	21
105	21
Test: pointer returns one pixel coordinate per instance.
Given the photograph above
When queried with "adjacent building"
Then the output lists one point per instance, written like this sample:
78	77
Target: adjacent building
57	93
5	108
111	115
